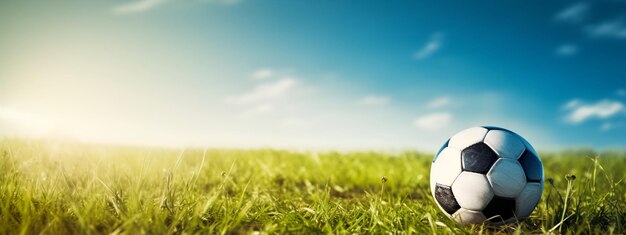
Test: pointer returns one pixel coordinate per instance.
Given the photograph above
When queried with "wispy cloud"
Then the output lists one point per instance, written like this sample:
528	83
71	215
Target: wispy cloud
433	121
433	45
573	13
615	29
621	92
572	104
259	109
229	2
374	100
263	74
567	50
607	126
138	6
265	92
603	109
440	102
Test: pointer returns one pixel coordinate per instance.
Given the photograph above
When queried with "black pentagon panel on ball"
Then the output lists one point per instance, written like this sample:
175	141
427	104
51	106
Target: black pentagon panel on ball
441	149
478	158
532	166
445	198
500	209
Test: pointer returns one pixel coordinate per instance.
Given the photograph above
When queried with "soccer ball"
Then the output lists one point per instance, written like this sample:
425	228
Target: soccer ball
486	174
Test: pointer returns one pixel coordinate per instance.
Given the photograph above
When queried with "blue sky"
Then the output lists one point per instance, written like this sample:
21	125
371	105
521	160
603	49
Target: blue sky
324	74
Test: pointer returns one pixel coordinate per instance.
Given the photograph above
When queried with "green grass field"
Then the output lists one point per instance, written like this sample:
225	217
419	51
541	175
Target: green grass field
55	188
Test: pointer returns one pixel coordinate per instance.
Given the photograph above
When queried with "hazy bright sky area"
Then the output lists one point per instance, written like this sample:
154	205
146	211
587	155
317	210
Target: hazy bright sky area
313	74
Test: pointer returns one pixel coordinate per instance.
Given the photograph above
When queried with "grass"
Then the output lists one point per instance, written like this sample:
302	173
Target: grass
65	188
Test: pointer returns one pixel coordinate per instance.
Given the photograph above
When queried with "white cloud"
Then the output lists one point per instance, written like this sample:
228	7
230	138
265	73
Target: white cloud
608	29
621	92
138	6
262	74
567	50
374	100
433	121
574	13
439	102
601	110
265	92
432	46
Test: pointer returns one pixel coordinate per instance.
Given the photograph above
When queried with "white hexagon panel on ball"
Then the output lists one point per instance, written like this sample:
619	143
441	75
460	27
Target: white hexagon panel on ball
465	216
446	167
505	143
507	178
472	191
467	137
